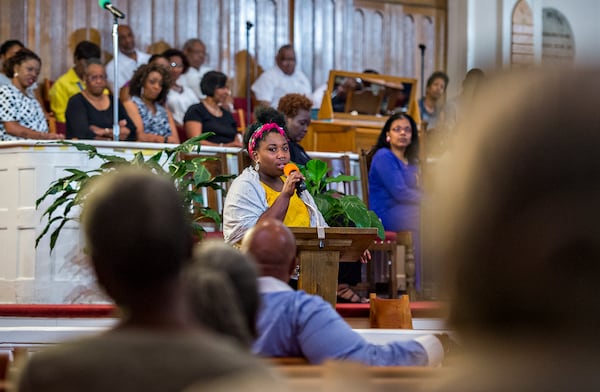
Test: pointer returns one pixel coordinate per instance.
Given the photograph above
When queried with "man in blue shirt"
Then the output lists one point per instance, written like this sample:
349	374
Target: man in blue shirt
296	324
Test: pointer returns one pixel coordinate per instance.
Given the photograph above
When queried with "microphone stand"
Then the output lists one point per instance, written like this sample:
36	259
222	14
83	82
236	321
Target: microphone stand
248	91
115	35
422	47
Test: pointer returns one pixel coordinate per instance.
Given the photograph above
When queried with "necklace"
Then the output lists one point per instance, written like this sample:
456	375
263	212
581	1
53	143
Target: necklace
212	108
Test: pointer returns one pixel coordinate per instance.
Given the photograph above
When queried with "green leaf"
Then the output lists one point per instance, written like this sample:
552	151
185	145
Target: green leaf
340	178
56	233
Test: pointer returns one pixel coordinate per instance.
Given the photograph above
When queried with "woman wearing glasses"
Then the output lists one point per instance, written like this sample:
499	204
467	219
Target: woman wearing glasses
394	192
89	114
180	97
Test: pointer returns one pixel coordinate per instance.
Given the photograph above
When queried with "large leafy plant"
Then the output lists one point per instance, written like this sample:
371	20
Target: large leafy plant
189	176
338	209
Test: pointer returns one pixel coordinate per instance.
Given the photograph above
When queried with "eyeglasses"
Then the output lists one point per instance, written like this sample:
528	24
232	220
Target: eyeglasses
176	65
95	78
399	129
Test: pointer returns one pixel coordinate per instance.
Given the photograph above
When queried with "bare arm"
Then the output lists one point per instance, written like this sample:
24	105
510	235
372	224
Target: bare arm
174	138
16	129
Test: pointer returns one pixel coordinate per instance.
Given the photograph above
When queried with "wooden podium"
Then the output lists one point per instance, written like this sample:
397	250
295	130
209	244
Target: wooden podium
320	251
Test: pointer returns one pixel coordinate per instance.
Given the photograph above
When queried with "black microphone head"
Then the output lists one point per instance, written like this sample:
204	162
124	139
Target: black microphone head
300	187
422	46
249	24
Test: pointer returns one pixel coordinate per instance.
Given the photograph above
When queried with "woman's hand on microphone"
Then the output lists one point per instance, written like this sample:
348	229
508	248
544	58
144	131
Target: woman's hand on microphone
289	186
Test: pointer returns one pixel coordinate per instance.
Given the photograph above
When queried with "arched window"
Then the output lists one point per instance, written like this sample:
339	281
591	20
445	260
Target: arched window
558	45
521	50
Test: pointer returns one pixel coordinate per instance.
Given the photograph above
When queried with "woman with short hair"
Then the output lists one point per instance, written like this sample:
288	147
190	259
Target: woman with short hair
209	115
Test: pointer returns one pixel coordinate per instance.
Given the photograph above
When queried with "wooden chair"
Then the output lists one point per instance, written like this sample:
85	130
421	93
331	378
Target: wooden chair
393	246
243	160
240	119
390	313
211	198
182	134
5	362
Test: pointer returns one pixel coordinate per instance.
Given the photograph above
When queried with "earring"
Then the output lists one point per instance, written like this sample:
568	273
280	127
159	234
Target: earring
256	166
15	74
142	92
387	139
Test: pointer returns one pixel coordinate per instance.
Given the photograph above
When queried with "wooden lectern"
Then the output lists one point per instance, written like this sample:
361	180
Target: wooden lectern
321	249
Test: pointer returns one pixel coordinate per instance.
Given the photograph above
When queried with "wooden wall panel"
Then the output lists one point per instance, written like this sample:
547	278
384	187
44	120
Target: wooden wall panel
327	34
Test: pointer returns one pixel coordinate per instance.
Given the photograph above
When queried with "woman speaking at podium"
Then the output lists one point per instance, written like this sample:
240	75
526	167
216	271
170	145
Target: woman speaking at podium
262	190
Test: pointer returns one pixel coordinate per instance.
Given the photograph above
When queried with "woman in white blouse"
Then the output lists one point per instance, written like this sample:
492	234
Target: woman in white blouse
21	115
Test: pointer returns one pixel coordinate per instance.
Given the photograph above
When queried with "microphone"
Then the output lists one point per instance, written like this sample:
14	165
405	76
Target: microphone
249	25
287	170
108	6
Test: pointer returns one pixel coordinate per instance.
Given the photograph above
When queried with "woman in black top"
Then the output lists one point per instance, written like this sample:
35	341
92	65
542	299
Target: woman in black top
89	113
209	116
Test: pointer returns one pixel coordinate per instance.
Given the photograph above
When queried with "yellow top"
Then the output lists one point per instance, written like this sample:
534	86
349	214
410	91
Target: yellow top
297	214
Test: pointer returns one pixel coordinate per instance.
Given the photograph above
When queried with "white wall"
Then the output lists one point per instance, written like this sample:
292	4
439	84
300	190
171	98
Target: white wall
479	33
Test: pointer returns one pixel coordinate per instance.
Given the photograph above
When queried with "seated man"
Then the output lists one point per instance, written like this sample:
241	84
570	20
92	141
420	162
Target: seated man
281	79
195	51
294	323
129	59
72	82
138	240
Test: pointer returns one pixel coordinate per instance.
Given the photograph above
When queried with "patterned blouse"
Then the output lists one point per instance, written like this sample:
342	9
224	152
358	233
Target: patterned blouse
24	109
154	123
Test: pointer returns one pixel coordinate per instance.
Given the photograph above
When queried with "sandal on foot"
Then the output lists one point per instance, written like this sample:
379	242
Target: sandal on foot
346	295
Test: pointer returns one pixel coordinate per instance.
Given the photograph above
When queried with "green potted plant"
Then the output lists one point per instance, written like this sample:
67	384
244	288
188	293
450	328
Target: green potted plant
338	209
189	176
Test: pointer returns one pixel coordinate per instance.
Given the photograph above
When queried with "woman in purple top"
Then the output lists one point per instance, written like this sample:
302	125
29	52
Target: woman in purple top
394	192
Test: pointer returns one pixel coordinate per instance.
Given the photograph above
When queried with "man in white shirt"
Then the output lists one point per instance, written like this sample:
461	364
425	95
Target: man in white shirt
195	51
283	79
129	59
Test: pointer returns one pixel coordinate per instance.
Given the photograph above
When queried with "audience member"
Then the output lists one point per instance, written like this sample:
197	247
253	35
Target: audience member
282	79
208	115
432	104
139	242
159	59
129	59
180	97
148	88
261	191
458	107
296	109
394	190
90	114
7	50
520	236
195	52
72	82
224	292
296	324
21	115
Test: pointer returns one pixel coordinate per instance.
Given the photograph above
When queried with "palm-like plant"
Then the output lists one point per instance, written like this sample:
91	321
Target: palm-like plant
189	176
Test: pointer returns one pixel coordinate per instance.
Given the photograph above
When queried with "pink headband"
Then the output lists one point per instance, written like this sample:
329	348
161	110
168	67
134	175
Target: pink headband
258	134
